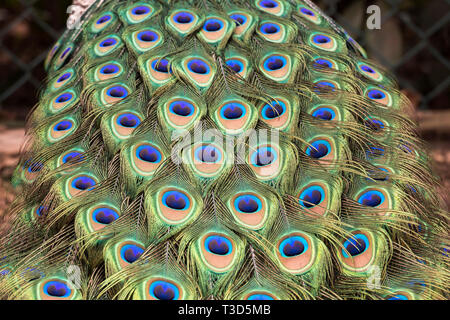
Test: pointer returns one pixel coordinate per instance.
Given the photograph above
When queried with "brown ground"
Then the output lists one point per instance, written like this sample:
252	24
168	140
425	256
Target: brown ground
434	126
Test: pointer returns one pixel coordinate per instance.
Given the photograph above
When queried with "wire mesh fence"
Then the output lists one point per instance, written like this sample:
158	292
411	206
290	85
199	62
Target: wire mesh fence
413	42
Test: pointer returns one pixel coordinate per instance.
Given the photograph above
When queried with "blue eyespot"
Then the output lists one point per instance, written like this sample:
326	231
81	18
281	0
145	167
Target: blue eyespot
64	97
64	77
371	198
273	110
198	66
42	210
163	290
105	215
312	196
247	204
110	69
232	111
140	10
176	200
117	92
128	120
66	52
270	28
108	42
321	39
318	149
104	19
63	125
131	252
212	25
182	108
149	154
367	69
83	183
259	296
324	114
275	62
398	297
263	156
355	245
269	4
183	17
148	36
293	246
375	94
73	155
323	63
239	19
218	245
161	65
235	64
57	289
35	167
374	124
307	12
208	154
325	85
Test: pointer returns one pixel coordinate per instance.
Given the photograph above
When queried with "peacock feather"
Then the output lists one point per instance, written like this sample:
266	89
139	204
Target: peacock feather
221	149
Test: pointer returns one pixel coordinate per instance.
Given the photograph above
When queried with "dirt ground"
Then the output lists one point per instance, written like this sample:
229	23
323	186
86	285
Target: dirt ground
11	138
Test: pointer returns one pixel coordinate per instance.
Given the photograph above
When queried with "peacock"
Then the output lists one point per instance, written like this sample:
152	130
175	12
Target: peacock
221	149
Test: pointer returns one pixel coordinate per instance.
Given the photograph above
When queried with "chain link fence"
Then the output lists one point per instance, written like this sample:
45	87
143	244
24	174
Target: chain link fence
413	42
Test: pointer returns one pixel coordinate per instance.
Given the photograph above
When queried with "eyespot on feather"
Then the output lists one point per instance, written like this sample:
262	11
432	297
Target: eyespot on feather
114	93
146	158
322	149
108	70
277	114
249	209
164	289
359	251
107	45
234	116
272	31
369	72
103	21
323	41
183	22
139	13
296	252
79	184
379	95
61	129
206	159
265	161
56	289
325	113
129	252
314	198
260	295
124	123
199	71
309	14
274	7
277	67
376	198
217	251
175	206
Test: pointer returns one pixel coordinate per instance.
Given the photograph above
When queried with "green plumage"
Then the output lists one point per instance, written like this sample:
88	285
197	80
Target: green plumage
221	149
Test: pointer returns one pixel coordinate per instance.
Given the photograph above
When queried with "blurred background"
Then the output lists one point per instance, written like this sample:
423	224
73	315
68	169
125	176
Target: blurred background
413	42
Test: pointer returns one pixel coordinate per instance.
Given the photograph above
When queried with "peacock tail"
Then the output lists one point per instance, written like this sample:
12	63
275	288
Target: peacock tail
221	149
